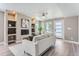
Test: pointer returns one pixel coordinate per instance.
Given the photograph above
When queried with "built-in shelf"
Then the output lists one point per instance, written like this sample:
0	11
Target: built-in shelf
11	27
33	27
24	28
11	20
11	34
11	41
14	26
11	30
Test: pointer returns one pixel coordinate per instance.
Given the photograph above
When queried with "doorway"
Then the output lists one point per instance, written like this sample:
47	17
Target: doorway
59	28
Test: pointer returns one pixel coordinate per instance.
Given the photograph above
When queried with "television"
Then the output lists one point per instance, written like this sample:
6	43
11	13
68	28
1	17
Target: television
24	32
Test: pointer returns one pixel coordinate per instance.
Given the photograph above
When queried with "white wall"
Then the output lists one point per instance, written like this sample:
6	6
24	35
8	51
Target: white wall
71	28
18	25
78	28
1	26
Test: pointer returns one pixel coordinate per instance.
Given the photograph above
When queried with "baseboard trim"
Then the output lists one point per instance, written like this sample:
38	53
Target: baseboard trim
71	41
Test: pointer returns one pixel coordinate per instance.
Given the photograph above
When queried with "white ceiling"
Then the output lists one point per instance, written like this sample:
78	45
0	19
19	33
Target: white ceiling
35	9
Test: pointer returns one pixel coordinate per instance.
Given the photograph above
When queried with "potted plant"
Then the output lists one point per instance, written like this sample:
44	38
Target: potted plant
40	28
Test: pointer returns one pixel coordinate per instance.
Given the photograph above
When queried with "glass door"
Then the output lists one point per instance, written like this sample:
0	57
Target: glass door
59	28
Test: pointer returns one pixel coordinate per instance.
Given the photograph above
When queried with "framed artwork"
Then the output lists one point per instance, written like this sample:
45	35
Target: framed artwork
24	23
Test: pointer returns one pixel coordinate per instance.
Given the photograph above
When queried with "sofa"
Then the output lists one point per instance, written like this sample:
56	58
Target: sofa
39	44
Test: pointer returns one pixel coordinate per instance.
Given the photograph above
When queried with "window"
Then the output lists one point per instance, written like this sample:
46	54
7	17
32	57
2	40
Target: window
49	26
46	26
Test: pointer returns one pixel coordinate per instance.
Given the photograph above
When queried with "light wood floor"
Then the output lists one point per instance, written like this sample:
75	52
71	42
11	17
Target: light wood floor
61	49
